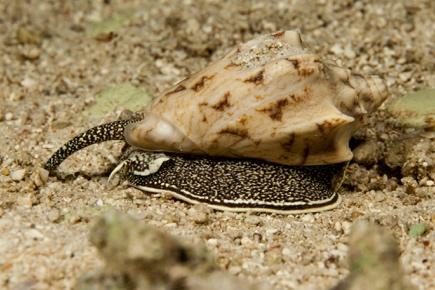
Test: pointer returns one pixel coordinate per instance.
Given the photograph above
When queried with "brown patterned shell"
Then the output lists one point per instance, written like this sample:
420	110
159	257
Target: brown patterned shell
270	99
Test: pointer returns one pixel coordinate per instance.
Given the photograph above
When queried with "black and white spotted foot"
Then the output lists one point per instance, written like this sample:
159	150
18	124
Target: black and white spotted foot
233	184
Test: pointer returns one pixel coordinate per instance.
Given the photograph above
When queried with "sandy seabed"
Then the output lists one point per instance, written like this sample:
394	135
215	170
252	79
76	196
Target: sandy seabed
54	59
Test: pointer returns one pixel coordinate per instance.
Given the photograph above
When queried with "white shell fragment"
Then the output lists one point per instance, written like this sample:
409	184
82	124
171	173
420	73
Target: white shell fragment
270	99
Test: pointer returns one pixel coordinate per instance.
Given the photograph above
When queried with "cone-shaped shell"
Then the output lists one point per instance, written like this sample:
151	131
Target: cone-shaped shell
270	99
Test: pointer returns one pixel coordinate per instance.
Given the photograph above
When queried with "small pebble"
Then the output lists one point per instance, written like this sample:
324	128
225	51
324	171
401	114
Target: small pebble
257	237
338	227
5	171
271	232
32	54
16	96
34	234
99	202
138	215
349	53
18	174
60	125
342	248
286	252
346	227
212	242
234	270
74	218
199	213
53	215
171	225
246	242
356	214
47	146
336	49
273	257
28	83
9	116
39	176
27	200
308	218
409	182
367	152
253	220
28	36
379	196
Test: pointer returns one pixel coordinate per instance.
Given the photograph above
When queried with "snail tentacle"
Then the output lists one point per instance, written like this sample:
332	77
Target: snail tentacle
105	132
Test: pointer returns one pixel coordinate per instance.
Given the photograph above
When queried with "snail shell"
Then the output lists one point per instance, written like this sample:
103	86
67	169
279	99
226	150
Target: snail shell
268	99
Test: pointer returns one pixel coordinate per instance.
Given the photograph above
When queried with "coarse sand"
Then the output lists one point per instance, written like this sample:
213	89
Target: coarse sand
56	56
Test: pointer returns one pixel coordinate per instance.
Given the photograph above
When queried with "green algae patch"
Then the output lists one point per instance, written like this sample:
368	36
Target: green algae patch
416	109
417	230
112	24
122	96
